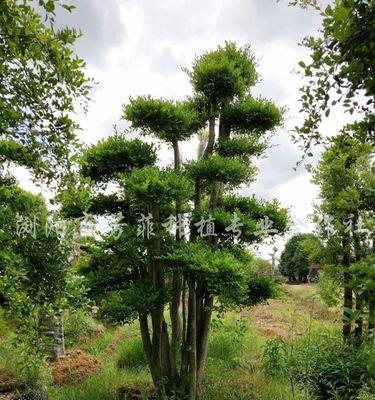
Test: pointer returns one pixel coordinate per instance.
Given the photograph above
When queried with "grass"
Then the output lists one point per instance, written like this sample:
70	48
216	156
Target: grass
234	369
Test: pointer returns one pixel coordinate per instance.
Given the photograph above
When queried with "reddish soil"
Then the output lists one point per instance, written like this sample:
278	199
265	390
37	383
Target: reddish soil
75	367
6	383
6	396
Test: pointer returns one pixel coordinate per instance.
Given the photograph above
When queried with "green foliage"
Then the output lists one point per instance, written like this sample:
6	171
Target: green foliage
24	363
238	147
341	69
41	83
252	214
115	155
75	196
80	326
340	175
221	169
323	364
138	297
224	275
155	186
11	150
112	263
224	73
260	288
297	255
252	116
167	120
131	355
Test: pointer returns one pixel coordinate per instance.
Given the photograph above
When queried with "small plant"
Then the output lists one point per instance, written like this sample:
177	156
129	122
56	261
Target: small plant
132	355
323	364
80	326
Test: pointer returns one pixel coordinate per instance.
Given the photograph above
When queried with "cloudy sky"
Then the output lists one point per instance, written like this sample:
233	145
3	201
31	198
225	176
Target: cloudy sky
138	47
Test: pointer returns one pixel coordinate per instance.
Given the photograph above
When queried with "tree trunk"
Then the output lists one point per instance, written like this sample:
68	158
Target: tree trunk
348	293
192	341
358	329
371	317
157	313
202	347
211	133
176	284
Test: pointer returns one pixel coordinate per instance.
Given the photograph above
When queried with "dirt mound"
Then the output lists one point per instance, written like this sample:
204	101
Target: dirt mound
6	383
75	367
6	396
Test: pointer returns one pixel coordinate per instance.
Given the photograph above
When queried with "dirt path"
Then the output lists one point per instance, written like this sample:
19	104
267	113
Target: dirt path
292	314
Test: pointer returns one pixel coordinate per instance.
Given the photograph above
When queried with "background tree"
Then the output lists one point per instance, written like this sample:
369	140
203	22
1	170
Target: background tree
41	80
298	255
346	215
36	278
341	69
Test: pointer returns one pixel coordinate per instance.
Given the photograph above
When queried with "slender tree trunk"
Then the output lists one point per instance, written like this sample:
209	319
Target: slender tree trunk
358	329
176	284
147	346
158	312
211	133
348	293
202	346
371	317
185	344
192	341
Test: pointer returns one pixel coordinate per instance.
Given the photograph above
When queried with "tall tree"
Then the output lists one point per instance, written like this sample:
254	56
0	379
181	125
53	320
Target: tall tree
296	256
170	260
342	66
41	81
346	213
36	279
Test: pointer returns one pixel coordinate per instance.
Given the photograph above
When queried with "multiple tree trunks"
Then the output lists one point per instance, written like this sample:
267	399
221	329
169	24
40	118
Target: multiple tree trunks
177	363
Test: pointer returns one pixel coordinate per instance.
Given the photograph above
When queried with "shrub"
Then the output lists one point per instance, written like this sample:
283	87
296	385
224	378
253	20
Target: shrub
260	288
227	341
23	364
80	326
322	363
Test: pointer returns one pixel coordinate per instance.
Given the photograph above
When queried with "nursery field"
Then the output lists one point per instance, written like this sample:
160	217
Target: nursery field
107	362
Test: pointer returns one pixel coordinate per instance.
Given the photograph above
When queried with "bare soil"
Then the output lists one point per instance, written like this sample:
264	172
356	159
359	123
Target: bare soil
75	367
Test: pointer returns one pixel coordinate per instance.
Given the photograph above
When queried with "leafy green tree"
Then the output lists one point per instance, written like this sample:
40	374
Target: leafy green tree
41	81
194	267
346	215
36	278
297	255
342	66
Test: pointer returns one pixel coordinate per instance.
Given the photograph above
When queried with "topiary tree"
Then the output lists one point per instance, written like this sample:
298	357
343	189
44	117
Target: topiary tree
184	230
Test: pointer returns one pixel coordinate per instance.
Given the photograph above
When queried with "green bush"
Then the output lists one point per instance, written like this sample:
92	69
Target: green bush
324	365
227	341
260	288
80	326
132	355
24	364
